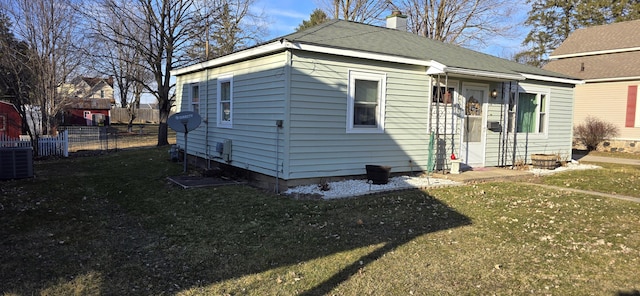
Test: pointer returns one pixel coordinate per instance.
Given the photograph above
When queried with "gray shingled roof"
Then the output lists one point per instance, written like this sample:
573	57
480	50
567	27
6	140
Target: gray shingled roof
361	37
604	37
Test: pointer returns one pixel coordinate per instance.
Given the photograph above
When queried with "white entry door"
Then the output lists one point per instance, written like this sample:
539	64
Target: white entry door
474	131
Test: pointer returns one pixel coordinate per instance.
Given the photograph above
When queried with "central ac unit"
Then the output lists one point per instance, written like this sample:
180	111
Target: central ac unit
16	163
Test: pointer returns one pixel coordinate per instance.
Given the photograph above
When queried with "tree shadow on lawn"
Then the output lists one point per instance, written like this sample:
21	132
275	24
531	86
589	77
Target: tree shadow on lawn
116	247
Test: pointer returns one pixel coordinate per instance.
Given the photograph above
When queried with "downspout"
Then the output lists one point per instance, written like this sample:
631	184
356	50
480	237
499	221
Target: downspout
206	119
515	129
278	127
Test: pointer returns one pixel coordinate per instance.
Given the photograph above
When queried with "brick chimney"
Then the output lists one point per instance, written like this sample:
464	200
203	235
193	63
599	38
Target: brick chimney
397	21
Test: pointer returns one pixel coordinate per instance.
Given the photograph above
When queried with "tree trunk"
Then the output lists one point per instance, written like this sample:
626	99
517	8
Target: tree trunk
163	134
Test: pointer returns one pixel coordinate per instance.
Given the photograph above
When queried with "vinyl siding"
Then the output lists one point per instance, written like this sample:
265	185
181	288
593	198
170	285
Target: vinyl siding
258	101
496	148
558	139
319	143
606	101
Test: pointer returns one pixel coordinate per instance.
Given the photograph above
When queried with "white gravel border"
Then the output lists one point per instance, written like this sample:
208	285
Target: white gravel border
573	165
349	188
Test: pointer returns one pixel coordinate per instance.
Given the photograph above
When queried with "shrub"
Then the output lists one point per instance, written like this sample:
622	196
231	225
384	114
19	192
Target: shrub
593	132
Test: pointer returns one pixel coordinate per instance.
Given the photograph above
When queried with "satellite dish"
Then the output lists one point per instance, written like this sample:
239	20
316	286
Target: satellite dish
184	122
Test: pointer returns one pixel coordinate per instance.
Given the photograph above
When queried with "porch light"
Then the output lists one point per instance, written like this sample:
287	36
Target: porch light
494	93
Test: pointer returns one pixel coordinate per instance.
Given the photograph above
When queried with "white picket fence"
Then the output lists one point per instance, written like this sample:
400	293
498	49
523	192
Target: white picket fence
47	145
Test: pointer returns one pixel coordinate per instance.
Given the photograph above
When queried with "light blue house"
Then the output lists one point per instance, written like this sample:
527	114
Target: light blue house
326	101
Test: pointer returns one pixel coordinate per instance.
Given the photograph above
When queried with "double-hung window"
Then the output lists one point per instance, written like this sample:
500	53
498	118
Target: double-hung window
195	98
366	102
225	101
532	112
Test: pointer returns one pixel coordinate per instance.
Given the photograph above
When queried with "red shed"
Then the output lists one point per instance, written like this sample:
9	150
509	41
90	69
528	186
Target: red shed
81	111
10	120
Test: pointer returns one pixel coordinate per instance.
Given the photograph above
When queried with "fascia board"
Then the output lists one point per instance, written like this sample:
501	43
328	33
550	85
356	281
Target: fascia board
355	53
552	79
482	73
592	53
231	58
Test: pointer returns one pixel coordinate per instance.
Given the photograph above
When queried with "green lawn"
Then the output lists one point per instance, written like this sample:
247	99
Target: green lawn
612	178
113	225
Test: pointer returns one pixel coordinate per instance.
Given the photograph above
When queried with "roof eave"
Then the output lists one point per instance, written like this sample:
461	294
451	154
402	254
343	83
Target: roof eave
266	48
552	79
483	73
356	53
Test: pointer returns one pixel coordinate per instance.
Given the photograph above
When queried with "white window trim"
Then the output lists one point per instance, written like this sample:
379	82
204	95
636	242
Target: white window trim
191	103
222	79
382	93
538	91
3	123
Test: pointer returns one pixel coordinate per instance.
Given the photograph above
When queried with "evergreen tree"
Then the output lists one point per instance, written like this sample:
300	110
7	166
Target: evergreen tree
317	17
553	20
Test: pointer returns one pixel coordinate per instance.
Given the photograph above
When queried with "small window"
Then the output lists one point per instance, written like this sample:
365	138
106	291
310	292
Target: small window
366	99
3	123
442	95
102	94
532	112
195	98
225	101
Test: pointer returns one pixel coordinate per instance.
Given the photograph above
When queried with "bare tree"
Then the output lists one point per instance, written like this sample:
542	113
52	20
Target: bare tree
362	11
224	27
50	30
166	26
461	22
17	80
123	63
236	27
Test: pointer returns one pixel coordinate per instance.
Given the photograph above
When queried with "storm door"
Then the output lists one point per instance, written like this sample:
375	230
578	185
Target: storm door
474	131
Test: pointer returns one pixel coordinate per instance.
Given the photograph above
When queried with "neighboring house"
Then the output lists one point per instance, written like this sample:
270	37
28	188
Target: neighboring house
10	121
326	101
81	111
607	58
87	101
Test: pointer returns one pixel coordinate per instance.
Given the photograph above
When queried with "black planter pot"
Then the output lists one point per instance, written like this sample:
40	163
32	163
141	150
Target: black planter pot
378	174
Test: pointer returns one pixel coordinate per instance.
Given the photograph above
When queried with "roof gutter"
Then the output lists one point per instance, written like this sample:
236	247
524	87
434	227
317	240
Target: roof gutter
552	79
592	53
612	79
267	48
355	53
481	73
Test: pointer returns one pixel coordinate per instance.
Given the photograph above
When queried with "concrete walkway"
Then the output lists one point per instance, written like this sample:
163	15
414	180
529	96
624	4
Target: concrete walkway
590	158
616	196
507	174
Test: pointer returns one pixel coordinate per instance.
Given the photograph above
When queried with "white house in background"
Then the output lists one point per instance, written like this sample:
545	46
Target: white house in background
326	101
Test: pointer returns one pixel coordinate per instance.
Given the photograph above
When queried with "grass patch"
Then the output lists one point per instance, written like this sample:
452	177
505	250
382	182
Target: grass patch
113	225
612	178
